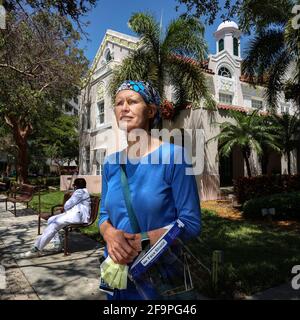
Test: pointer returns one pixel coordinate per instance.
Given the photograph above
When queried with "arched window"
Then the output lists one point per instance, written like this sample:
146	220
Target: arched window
224	72
221	45
235	46
108	56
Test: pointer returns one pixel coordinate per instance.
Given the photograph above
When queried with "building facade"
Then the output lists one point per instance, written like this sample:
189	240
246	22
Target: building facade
226	83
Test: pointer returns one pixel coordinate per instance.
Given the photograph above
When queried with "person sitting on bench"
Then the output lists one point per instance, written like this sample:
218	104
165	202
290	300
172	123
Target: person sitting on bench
76	210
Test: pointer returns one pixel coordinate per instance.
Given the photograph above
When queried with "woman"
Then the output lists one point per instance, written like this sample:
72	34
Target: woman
160	192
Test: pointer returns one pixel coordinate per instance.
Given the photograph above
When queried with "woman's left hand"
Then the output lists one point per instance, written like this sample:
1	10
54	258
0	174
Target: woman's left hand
135	241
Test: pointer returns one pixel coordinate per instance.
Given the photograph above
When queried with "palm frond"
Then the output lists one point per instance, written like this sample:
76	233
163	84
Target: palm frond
137	65
185	37
276	76
188	79
262	51
145	26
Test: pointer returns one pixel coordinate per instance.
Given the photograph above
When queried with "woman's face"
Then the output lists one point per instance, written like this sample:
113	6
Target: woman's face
131	111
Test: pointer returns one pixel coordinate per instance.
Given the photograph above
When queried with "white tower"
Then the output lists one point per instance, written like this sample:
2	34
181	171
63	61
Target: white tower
228	38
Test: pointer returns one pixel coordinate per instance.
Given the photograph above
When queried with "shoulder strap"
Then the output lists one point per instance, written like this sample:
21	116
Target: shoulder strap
126	192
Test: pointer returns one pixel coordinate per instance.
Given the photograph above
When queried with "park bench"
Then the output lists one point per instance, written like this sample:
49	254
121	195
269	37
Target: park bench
4	191
21	193
57	209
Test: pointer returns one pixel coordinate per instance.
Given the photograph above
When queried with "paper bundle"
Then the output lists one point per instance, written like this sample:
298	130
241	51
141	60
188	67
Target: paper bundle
113	274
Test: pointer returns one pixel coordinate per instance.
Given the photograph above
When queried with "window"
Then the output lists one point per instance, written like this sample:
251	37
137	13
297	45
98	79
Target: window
68	107
256	104
108	56
100	106
99	156
235	46
88	116
87	160
224	72
225	98
221	45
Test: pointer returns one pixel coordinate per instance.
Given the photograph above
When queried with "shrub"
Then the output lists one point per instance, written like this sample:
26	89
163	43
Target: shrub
47	181
287	205
248	188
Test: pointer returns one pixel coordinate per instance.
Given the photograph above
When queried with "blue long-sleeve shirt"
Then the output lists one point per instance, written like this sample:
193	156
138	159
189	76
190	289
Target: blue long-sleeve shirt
160	193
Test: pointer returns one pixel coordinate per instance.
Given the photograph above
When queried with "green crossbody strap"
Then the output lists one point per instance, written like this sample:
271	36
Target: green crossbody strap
126	192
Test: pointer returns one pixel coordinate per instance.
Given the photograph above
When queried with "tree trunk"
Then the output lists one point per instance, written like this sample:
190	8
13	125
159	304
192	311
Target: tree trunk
20	135
264	162
22	161
246	158
289	162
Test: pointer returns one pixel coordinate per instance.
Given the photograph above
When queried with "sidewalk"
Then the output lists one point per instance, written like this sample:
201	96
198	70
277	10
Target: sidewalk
48	277
282	292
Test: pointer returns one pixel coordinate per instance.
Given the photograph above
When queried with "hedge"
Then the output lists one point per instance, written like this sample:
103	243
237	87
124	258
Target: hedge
259	186
287	206
48	181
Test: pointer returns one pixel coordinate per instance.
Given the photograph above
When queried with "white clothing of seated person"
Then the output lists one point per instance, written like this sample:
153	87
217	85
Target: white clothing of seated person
76	210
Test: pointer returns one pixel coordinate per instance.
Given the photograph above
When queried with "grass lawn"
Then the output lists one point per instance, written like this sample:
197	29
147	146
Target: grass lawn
256	256
48	200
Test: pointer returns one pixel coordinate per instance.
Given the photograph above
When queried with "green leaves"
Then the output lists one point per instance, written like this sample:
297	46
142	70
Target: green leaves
171	57
249	132
40	67
272	58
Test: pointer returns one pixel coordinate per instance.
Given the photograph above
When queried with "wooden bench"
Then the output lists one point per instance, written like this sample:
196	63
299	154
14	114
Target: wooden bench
4	191
57	209
22	193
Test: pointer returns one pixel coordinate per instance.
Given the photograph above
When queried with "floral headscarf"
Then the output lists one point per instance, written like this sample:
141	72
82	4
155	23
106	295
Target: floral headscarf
147	91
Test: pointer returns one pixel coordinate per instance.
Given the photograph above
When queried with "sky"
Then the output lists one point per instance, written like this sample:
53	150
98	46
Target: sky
114	14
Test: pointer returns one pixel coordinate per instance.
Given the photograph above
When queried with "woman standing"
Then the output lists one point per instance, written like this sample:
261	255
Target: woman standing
160	190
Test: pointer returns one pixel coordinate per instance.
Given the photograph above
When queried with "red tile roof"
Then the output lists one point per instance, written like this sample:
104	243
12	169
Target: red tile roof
231	107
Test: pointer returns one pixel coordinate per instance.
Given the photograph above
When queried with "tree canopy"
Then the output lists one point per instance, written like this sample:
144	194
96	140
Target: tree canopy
41	66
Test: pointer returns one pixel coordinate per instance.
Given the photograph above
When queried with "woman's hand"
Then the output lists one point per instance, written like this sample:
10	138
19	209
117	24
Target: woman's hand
135	239
118	247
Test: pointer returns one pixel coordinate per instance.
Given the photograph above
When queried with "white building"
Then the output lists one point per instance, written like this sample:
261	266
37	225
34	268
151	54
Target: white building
231	91
71	107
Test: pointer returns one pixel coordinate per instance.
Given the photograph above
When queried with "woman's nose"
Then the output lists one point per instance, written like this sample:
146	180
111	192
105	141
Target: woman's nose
125	106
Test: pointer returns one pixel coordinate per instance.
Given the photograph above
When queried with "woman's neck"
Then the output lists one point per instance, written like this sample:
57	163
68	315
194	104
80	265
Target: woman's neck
141	146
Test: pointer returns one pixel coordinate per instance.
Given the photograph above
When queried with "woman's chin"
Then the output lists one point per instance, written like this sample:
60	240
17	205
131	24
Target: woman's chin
127	126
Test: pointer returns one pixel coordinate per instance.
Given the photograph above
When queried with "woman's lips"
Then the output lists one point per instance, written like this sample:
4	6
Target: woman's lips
125	118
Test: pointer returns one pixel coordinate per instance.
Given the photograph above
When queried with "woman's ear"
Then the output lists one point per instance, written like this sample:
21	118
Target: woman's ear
151	111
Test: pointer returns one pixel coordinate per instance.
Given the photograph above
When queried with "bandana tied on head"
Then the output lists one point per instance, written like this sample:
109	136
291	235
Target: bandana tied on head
147	91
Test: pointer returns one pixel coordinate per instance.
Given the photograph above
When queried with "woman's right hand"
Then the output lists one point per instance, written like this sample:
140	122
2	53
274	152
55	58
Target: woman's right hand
118	247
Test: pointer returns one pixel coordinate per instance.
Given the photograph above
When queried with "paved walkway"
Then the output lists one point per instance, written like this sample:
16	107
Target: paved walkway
52	276
282	292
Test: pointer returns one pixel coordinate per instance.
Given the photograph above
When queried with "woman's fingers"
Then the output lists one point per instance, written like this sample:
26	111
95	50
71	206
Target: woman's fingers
125	246
134	240
121	257
119	248
129	236
122	252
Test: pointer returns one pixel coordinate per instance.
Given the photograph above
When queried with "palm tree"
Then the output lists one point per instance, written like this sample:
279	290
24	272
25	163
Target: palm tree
273	57
172	58
287	134
248	132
